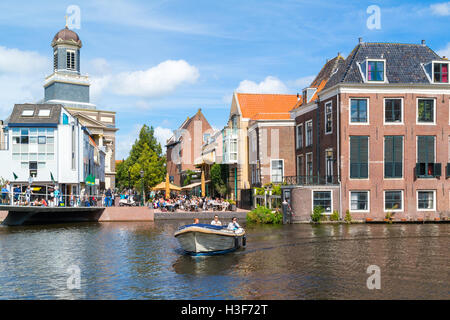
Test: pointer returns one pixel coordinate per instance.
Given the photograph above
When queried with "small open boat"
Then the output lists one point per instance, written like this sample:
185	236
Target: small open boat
206	239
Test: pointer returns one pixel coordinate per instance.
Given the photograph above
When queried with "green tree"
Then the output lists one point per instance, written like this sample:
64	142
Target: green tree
146	154
218	178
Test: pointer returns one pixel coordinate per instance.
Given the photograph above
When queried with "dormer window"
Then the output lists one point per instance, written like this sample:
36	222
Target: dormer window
27	113
440	72
375	70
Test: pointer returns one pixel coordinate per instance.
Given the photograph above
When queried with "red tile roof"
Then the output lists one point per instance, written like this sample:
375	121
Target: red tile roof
266	106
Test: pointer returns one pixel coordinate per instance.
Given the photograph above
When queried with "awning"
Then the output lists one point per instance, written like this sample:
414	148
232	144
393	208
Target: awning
162	187
193	185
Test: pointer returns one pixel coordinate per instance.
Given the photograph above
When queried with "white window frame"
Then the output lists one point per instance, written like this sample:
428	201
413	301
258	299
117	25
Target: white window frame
306	165
384	201
368	160
299	126
282	171
350	111
350	201
306	133
312	200
300	156
434	112
402	112
27	113
331	115
70	59
432	71
403	157
434	200
417	147
384	71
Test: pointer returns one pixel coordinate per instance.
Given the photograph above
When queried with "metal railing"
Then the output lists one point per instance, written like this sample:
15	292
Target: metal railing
23	198
311	180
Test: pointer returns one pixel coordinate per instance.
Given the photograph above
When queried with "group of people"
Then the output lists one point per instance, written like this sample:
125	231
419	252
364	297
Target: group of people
186	203
233	225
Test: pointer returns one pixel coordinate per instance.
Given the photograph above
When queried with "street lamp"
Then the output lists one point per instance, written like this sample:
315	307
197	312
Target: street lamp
143	195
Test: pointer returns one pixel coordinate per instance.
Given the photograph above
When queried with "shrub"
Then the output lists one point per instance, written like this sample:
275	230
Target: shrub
317	214
348	216
334	216
265	216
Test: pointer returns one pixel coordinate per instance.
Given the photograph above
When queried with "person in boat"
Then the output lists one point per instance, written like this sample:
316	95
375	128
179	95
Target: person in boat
234	225
196	221
216	221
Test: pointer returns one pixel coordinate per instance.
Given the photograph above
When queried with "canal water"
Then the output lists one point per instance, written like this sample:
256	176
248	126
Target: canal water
143	261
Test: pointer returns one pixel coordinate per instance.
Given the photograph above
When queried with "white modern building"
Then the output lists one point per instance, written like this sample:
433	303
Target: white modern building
45	146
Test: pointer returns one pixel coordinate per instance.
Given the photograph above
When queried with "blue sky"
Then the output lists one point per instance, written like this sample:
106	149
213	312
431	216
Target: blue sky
157	62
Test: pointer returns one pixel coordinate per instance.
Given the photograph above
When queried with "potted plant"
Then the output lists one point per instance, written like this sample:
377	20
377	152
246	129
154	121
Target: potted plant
232	205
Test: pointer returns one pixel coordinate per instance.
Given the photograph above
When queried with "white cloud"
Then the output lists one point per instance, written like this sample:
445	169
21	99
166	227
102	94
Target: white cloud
269	85
21	76
445	52
162	135
22	62
302	83
156	81
441	9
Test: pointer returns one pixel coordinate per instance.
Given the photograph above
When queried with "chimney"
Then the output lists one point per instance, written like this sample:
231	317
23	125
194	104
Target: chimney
423	42
298	96
360	40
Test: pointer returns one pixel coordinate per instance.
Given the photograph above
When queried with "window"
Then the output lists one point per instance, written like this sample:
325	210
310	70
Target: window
426	200
277	171
322	199
359	200
206	137
393	111
426	166
71	60
44	113
358	112
393	200
393	156
65	119
33	169
329	160
299	136
309	166
309	133
425	111
440	72
41	140
233	150
328	117
55	60
375	71
27	113
359	157
300	168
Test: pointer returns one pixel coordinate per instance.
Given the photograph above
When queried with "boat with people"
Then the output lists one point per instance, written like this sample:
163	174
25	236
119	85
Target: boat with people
206	239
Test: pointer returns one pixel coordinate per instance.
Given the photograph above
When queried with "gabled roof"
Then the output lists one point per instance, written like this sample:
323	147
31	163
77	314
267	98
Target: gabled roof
17	116
324	75
256	106
403	63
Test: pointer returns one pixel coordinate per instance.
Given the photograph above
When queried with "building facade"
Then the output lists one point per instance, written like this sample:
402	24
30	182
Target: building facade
45	146
185	147
386	110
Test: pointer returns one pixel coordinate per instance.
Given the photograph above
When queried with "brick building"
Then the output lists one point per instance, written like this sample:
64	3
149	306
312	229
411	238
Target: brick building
385	109
185	146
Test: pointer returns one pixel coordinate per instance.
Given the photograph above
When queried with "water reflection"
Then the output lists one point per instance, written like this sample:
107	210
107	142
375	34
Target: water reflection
144	261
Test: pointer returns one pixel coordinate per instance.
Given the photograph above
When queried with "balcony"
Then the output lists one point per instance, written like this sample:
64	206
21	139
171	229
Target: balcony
311	180
428	170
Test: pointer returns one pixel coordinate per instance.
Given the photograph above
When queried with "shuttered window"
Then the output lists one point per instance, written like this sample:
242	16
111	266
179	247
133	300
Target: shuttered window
393	156
359	157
